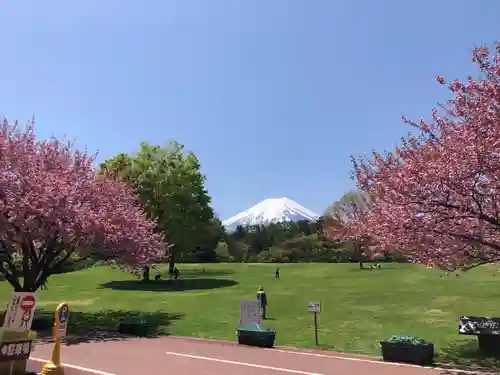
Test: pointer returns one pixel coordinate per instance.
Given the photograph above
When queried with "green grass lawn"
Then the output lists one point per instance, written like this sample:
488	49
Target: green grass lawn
360	308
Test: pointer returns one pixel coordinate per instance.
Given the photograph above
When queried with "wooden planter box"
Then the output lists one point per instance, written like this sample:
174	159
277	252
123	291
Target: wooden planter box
422	355
263	339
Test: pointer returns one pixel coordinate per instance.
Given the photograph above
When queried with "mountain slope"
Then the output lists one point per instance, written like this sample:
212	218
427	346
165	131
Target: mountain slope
274	210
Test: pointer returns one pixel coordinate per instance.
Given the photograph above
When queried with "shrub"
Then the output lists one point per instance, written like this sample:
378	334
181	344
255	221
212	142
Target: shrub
409	340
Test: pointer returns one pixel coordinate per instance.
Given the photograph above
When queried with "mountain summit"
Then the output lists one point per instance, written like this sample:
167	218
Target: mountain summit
273	210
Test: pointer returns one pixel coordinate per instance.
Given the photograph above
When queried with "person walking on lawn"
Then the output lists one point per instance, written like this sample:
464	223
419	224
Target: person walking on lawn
262	298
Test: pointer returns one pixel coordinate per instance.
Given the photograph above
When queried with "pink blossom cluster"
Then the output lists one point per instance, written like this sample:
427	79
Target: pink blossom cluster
436	198
52	203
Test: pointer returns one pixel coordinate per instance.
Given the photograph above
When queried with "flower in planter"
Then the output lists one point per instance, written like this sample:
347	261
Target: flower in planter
409	340
408	349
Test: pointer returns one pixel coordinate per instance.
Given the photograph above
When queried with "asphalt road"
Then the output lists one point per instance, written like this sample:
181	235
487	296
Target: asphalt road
184	356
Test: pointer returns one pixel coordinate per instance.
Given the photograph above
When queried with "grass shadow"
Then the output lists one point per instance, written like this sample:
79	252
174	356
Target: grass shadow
203	272
84	327
367	268
465	355
169	285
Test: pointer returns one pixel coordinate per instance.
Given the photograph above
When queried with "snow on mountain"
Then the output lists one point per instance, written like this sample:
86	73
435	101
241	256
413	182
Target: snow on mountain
273	210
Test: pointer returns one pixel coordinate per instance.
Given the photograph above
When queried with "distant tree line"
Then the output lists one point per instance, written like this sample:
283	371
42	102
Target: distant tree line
289	242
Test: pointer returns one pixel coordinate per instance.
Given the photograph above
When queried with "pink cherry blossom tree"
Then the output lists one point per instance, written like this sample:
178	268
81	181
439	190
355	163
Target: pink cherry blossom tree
53	208
437	196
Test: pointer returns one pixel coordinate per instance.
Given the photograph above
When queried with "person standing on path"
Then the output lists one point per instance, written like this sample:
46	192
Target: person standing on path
262	298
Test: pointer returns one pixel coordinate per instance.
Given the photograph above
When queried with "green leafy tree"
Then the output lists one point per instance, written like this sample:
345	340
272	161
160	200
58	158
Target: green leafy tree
171	189
206	249
222	251
238	250
240	232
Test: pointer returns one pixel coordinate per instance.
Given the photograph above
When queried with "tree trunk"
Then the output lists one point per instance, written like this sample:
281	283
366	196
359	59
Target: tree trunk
28	282
12	278
17	287
361	266
35	269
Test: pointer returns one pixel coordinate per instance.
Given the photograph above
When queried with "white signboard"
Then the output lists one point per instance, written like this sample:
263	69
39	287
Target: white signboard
62	319
20	311
249	312
314	307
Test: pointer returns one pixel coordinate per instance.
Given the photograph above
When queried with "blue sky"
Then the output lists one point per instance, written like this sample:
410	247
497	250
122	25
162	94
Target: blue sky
273	96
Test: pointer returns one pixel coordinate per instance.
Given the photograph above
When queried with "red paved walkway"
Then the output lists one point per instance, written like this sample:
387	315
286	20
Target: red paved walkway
196	357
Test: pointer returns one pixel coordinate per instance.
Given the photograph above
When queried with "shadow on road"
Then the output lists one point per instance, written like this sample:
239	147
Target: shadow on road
169	285
95	326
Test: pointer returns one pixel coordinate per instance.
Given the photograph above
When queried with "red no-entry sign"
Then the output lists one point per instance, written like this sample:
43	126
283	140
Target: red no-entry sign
28	302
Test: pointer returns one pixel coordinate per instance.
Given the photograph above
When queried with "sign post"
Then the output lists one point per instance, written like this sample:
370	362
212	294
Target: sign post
20	312
59	330
18	318
249	312
315	308
62	316
16	350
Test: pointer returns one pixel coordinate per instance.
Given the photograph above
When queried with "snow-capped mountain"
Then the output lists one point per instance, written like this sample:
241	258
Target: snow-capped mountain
273	210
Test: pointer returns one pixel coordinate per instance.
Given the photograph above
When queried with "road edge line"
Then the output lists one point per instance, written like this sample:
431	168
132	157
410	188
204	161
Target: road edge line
239	363
76	367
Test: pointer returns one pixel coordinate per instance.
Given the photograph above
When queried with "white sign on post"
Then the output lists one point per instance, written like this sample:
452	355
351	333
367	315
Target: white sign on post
62	313
20	311
249	312
314	307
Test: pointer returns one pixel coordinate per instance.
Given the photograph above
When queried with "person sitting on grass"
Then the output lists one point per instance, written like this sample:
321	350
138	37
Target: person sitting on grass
158	275
177	274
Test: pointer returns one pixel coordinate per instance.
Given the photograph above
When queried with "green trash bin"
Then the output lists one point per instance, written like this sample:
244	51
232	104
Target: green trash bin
255	335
